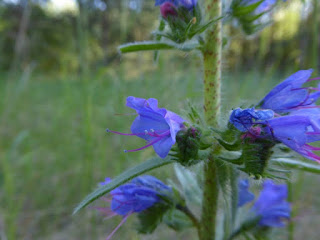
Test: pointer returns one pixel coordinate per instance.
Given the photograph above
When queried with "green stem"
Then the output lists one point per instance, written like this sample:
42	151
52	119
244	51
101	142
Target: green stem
315	34
190	215
212	75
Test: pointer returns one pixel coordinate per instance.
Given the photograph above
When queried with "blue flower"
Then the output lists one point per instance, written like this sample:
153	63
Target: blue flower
243	119
244	195
296	131
272	206
157	126
290	95
136	196
160	2
189	4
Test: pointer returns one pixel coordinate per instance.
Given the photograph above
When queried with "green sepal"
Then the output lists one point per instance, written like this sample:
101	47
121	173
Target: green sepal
124	177
235	146
249	225
150	218
255	155
177	220
239	9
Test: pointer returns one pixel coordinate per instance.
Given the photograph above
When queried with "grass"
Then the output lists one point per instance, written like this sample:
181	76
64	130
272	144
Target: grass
54	148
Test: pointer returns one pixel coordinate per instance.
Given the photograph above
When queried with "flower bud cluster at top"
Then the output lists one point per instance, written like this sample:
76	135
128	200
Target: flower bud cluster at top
288	114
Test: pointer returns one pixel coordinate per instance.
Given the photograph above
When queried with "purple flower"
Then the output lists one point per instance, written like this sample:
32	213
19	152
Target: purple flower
243	119
272	205
296	131
135	196
290	95
244	195
168	9
157	126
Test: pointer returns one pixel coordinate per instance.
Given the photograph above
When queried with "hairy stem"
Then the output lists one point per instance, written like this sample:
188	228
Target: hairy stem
212	75
190	215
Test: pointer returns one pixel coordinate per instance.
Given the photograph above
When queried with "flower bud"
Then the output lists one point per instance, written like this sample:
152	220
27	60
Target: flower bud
188	141
168	9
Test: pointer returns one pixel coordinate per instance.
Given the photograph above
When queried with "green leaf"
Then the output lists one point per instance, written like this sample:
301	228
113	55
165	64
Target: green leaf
155	46
239	10
150	218
177	220
124	177
202	28
189	182
300	165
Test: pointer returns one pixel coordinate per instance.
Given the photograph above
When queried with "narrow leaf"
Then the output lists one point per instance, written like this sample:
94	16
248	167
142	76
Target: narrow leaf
304	166
155	46
124	177
144	46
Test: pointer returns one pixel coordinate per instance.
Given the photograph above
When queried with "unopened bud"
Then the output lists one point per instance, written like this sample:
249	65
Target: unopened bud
168	9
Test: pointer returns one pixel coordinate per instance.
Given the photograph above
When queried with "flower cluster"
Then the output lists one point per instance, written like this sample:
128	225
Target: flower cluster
271	207
140	194
287	114
157	126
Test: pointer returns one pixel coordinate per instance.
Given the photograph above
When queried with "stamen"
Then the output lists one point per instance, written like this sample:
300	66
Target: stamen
110	216
125	134
120	224
125	114
313	79
312	148
314	156
148	145
305	107
313	133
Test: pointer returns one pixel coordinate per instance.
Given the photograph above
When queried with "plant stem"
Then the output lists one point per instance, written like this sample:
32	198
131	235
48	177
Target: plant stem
190	215
315	34
212	75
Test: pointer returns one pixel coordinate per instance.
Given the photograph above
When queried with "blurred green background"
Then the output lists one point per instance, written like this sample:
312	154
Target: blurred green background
62	83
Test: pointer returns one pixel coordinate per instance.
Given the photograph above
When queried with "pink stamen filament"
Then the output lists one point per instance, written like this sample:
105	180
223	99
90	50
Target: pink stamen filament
313	133
106	199
110	216
314	156
313	79
312	147
306	88
152	134
305	107
126	134
148	145
120	224
125	114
